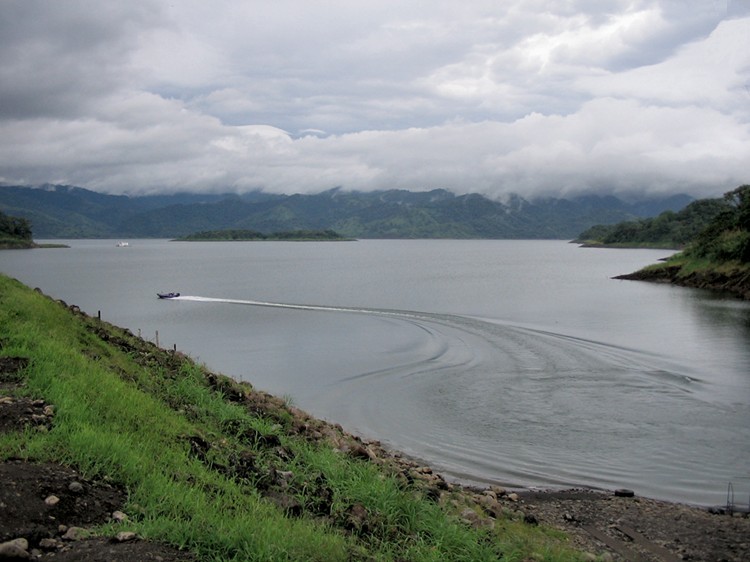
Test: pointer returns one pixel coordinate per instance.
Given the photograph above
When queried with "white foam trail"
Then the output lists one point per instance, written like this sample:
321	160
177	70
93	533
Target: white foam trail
291	306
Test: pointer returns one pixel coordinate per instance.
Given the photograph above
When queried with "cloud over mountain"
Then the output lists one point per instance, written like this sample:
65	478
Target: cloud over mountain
294	96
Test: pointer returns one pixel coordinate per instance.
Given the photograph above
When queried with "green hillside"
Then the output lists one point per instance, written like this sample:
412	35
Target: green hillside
718	257
72	212
668	230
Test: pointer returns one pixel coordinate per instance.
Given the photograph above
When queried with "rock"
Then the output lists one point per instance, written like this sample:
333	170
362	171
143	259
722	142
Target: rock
52	500
17	549
49	411
74	534
75	487
49	544
491	494
125	536
513	497
119	517
469	515
12	552
499	490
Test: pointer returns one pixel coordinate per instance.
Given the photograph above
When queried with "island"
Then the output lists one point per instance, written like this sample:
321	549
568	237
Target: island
234	235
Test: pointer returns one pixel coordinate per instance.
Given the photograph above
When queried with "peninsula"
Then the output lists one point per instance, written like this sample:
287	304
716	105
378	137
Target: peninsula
717	258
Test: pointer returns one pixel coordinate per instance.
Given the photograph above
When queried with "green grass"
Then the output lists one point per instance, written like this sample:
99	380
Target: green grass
163	427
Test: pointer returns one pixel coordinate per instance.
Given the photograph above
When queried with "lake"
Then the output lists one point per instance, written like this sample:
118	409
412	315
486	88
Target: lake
520	363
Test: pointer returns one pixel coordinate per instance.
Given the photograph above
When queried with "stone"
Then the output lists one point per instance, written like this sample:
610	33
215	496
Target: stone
74	534
125	536
469	515
499	490
75	487
17	549
52	500
491	494
119	517
513	497
49	544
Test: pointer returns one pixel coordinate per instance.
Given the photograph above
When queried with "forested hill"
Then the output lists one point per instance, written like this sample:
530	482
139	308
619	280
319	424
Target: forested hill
718	257
73	212
668	230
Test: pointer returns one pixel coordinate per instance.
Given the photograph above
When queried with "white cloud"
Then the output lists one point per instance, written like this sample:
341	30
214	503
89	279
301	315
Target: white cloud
294	96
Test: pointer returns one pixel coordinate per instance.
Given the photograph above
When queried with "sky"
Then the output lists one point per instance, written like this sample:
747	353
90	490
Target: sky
536	98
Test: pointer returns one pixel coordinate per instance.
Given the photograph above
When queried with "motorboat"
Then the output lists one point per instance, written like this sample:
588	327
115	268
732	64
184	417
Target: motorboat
167	295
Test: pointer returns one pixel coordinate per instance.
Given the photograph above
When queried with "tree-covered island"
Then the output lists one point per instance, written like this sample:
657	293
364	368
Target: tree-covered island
234	235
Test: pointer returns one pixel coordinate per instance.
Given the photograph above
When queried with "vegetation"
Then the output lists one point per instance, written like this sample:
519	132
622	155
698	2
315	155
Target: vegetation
718	257
226	472
70	212
15	232
668	230
254	235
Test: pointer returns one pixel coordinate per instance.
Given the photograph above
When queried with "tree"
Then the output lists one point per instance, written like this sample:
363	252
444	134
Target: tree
727	237
14	227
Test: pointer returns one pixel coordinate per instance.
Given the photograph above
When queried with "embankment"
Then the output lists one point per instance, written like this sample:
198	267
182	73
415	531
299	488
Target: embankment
729	279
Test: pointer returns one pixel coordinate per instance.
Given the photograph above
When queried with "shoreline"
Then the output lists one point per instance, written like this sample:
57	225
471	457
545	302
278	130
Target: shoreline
601	524
735	283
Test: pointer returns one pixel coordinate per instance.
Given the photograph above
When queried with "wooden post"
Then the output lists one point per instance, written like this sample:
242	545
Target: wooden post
157	338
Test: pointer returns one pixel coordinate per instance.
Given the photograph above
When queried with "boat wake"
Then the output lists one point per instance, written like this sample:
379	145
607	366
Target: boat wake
490	401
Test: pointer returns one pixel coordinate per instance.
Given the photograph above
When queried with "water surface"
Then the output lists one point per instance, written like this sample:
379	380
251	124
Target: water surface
514	362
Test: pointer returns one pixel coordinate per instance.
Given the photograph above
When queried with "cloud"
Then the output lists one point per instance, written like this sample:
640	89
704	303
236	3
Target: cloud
295	96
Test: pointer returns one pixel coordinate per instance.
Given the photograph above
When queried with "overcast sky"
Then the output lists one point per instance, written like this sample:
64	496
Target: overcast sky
297	96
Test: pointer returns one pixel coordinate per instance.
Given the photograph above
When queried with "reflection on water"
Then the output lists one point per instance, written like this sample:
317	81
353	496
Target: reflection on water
521	363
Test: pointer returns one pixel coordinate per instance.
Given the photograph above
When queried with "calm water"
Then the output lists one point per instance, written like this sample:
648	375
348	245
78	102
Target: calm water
514	362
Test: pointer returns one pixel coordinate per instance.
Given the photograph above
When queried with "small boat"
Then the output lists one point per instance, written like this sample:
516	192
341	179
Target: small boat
167	295
122	244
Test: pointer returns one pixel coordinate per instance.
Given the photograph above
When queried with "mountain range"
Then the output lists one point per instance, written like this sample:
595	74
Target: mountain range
61	211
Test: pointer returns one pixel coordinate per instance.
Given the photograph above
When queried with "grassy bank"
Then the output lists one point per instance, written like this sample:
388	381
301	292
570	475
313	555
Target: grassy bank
229	473
731	277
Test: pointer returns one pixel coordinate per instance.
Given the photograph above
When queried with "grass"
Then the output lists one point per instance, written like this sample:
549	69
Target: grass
202	464
688	265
